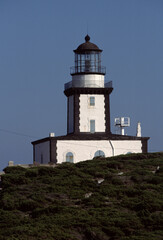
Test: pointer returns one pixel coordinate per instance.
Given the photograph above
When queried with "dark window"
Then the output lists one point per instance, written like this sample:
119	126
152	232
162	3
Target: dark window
70	157
99	153
92	101
92	126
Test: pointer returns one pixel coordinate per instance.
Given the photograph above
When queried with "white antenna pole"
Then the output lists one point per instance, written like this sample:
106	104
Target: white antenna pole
138	132
122	131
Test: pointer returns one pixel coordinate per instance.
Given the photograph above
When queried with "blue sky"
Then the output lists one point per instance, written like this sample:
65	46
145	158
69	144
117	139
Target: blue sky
37	38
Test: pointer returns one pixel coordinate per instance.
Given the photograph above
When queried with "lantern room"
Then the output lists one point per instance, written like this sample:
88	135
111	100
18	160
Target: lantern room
88	59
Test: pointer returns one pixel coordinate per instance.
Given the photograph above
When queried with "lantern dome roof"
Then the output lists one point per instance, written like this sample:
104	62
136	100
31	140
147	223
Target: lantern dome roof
87	46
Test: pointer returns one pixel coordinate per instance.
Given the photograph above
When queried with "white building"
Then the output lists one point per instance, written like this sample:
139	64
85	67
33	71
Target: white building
88	119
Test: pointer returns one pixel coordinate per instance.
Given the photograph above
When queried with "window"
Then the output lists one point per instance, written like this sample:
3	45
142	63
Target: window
70	157
92	126
129	153
99	153
92	101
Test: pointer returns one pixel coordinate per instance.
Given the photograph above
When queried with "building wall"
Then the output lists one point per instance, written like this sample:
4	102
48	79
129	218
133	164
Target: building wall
82	150
85	150
70	114
42	152
88	113
127	146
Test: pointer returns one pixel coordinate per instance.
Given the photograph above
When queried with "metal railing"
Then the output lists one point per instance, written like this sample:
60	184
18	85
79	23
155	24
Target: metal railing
87	69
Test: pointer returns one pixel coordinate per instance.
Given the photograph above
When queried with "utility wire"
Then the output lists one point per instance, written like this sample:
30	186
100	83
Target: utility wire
17	133
69	141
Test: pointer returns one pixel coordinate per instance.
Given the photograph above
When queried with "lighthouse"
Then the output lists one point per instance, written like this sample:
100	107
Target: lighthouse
87	94
88	116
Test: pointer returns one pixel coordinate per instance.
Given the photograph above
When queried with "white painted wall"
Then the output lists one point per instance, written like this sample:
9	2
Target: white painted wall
126	146
88	113
85	150
88	80
71	114
42	151
82	150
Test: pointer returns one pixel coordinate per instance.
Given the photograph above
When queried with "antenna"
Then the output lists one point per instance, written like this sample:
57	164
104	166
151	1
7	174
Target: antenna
87	27
121	123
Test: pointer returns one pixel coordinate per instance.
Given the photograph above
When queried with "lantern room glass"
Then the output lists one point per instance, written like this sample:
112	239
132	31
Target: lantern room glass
88	62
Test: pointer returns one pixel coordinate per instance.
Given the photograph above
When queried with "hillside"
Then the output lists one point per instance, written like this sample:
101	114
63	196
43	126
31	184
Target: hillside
103	199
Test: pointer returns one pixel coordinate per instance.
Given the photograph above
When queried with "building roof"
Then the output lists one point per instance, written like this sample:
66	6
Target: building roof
90	136
87	46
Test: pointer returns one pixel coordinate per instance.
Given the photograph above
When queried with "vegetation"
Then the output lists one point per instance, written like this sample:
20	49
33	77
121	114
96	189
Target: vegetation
103	199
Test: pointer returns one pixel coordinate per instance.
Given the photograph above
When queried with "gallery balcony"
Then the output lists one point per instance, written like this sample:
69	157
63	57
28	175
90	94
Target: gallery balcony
71	84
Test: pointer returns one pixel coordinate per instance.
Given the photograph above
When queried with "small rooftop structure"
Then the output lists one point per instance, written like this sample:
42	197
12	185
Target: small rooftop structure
122	122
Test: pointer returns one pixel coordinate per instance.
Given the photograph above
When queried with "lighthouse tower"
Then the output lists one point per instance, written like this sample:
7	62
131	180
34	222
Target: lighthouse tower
88	116
88	103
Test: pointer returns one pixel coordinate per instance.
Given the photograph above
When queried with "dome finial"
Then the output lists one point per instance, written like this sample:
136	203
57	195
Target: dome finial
87	38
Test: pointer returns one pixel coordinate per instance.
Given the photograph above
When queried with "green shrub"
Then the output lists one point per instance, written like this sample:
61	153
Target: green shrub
31	173
155	180
14	179
8	202
28	205
14	169
48	171
51	203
